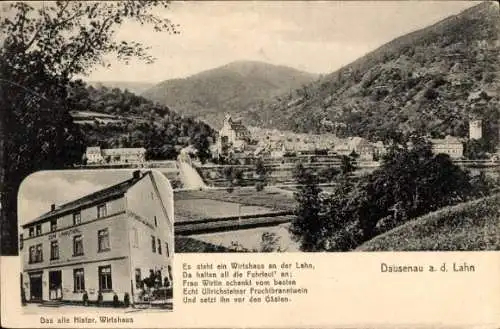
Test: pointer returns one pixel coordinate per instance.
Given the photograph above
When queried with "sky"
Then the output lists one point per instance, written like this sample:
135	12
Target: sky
318	37
44	188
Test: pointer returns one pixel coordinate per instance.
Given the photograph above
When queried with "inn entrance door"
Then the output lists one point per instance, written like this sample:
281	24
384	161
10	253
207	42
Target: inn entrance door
35	286
55	284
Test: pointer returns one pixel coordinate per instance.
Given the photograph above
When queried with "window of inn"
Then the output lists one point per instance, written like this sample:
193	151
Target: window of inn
54	250
21	242
138	278
105	282
159	246
32	232
78	280
32	254
38	229
167	251
103	240
77	245
77	218
53	225
39	253
153	243
102	211
135	238
156	222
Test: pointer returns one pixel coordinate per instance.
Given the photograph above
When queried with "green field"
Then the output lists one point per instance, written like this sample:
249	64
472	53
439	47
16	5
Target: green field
469	226
246	196
193	209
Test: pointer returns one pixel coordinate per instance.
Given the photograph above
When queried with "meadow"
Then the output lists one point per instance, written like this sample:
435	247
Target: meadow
469	226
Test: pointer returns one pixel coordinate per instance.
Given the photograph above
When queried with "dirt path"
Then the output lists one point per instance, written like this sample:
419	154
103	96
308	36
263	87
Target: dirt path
190	178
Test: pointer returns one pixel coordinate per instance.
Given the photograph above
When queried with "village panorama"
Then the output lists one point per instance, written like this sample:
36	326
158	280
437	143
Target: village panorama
398	150
244	196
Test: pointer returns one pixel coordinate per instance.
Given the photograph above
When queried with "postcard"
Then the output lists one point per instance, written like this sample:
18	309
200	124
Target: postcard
265	164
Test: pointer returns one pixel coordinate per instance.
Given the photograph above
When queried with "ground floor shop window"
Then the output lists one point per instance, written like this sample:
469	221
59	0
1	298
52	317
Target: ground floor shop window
79	279
105	282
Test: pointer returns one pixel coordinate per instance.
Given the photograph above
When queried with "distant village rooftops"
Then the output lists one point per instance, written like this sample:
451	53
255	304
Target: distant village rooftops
93	149
276	142
96	155
117	151
447	140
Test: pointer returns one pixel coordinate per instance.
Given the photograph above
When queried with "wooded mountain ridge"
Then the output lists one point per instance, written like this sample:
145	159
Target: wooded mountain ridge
210	94
135	87
431	81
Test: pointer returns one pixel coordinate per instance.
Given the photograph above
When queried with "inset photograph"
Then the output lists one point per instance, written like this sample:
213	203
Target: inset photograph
95	239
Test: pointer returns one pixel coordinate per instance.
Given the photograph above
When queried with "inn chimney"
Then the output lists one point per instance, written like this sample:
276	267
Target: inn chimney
136	174
53	207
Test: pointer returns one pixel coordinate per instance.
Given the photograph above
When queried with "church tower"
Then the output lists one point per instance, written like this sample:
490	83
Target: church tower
475	129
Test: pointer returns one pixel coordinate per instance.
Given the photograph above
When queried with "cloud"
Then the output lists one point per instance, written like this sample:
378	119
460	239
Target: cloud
42	189
315	36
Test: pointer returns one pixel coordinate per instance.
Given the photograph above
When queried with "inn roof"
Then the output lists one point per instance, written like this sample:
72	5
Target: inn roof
111	192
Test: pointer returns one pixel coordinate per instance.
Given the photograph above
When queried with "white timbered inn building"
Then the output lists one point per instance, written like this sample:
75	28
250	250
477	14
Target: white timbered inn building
101	245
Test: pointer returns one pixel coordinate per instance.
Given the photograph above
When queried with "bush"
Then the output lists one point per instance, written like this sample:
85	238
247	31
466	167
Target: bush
85	299
259	186
99	298
116	302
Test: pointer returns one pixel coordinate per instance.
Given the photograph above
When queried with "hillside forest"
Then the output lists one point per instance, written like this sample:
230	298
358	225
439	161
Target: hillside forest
136	122
429	82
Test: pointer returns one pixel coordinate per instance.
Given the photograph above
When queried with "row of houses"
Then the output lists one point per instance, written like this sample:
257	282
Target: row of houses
96	155
235	137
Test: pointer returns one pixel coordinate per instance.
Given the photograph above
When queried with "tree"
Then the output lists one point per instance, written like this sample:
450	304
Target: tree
262	174
270	242
307	226
260	168
329	173
346	165
228	173
202	145
45	46
475	149
410	183
237	176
